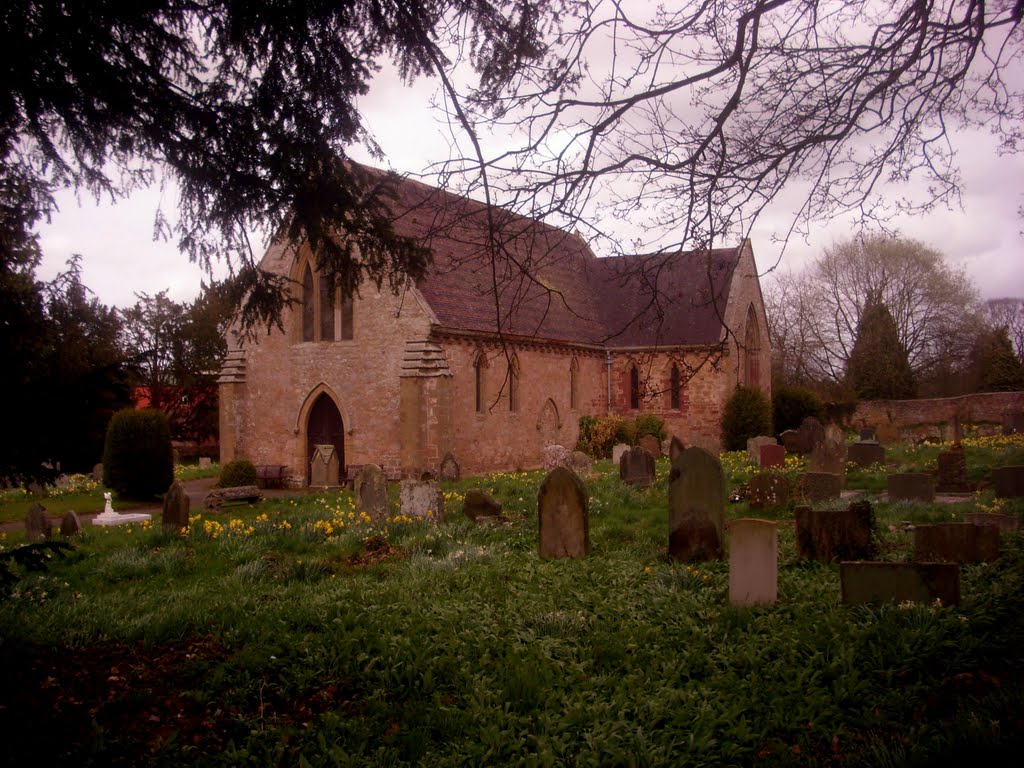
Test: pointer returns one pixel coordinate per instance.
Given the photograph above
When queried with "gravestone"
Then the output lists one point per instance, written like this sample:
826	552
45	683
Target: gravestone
864	454
579	463
790	440
829	455
768	490
675	448
753	562
109	517
869	582
371	491
651	444
218	497
1013	422
477	505
1008	482
324	467
450	471
867	435
563	516
205	462
554	456
636	467
97	473
754	447
772	456
958	429
819	486
617	451
696	506
1004	523
952	471
810	434
911	486
835	534
956	543
37	524
421	498
176	507
70	525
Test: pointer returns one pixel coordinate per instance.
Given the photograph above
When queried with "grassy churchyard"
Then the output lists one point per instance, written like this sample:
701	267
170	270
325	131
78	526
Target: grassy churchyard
298	632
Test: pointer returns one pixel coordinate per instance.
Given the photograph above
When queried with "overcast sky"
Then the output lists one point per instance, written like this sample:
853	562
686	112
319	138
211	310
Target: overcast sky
121	258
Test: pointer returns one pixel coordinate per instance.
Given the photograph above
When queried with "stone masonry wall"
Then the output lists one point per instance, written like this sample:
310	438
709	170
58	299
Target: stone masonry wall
913	420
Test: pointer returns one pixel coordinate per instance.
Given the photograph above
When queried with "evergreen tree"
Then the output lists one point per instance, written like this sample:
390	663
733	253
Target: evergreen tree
878	368
998	367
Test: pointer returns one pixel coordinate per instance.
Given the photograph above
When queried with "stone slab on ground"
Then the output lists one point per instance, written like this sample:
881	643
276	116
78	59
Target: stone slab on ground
956	543
121	518
835	534
911	486
1005	523
874	582
819	486
218	497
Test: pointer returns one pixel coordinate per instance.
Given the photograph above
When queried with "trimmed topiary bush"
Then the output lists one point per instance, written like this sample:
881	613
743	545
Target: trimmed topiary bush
236	473
138	461
791	405
747	414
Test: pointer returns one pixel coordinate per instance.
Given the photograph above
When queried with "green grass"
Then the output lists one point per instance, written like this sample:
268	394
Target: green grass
296	633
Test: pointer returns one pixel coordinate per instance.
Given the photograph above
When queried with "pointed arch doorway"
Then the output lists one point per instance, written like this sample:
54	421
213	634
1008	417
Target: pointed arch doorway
325	427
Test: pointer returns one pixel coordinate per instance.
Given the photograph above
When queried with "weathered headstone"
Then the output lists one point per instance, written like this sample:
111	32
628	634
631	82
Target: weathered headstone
554	456
768	490
70	525
617	451
176	507
811	433
958	429
324	467
478	504
675	448
371	491
753	562
563	515
956	543
636	467
37	524
830	534
911	486
97	473
1008	481
829	455
754	447
450	470
1013	422
952	471
772	456
218	497
579	463
205	462
696	506
422	498
867	435
819	486
1004	523
790	440
651	444
869	582
864	454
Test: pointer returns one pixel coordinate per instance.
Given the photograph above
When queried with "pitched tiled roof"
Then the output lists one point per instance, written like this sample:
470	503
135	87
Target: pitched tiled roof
550	285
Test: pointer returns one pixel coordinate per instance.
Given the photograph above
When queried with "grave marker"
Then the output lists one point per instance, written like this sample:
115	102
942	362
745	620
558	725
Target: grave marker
768	490
1005	523
952	471
450	470
176	507
478	505
1008	482
829	455
819	486
371	492
579	463
790	440
835	534
696	504
617	451
956	543
37	524
675	448
911	486
772	456
811	433
869	582
754	447
70	525
651	444
421	498
324	467
636	467
864	454
753	562
563	516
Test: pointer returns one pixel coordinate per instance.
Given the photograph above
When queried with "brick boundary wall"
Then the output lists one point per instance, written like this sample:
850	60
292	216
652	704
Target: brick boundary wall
915	420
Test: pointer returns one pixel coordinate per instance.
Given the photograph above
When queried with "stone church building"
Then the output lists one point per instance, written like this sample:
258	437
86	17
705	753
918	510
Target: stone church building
491	359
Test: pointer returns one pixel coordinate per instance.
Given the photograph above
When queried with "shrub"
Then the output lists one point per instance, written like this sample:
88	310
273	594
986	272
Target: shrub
138	461
236	473
650	425
791	405
599	433
747	414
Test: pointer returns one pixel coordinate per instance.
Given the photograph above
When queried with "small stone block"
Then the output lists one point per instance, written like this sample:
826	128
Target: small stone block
773	456
753	562
911	486
820	486
956	543
873	582
865	454
768	490
1008	482
1005	523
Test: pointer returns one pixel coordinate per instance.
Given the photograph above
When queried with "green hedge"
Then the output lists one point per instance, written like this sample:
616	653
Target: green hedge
138	461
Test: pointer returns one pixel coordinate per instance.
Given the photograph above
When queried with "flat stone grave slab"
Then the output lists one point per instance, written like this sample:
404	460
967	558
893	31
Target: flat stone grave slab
753	562
216	498
819	486
911	486
768	490
1008	481
696	507
835	534
772	455
1005	523
563	515
865	454
956	543
873	582
120	518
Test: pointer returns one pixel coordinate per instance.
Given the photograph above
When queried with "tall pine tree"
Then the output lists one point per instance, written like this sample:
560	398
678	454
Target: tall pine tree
878	368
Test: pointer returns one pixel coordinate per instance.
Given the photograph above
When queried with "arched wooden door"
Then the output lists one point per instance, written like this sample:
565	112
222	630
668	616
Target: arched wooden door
547	425
325	428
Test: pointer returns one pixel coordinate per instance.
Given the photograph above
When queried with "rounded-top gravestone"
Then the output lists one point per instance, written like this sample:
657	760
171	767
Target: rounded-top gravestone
696	504
563	515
